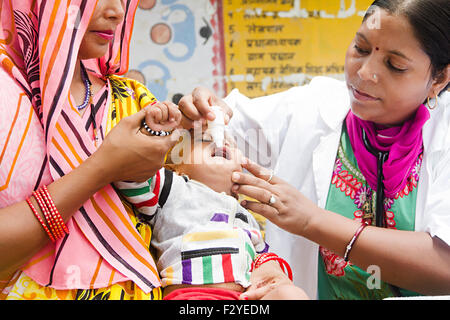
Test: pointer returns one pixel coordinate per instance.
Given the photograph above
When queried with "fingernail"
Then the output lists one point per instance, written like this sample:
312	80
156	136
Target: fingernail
235	176
235	187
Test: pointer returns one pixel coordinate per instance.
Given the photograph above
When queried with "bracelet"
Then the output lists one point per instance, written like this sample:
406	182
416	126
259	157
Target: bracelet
56	227
261	258
349	247
160	133
55	213
270	256
47	214
40	220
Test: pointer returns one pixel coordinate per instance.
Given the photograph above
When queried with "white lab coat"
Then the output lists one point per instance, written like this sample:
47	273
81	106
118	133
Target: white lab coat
297	133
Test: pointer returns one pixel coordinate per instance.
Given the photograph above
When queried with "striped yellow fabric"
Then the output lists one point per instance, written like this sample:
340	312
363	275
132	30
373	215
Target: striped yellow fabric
124	89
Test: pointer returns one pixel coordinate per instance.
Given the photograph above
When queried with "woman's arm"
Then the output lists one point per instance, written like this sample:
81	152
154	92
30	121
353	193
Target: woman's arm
21	234
126	154
411	260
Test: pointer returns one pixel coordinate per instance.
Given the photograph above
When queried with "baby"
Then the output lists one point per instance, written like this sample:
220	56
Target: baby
205	241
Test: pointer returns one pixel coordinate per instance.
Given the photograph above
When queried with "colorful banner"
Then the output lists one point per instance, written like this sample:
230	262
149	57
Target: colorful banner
257	46
272	45
176	46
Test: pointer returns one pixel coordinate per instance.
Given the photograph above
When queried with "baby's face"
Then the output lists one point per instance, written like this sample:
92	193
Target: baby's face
210	165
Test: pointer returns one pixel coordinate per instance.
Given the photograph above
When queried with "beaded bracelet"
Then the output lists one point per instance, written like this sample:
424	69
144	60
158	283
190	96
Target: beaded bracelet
40	220
152	132
349	247
54	225
56	216
48	216
270	256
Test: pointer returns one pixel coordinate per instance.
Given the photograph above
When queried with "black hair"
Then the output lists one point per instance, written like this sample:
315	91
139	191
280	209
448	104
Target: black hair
430	20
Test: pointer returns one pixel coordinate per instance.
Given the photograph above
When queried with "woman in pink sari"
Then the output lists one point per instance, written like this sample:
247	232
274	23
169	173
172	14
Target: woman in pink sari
59	99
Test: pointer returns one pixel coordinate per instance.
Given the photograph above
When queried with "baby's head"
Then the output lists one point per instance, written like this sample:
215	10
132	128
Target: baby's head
197	157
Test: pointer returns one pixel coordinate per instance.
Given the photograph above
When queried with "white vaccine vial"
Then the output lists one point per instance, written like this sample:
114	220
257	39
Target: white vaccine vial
217	127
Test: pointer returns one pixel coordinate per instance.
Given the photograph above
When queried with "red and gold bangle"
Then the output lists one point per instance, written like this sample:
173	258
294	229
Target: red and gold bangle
47	214
62	228
40	220
261	258
58	215
270	256
57	230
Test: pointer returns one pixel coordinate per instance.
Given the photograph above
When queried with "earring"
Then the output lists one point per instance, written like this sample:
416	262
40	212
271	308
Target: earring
435	103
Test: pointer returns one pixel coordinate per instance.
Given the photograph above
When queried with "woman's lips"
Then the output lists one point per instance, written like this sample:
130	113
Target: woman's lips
362	96
105	34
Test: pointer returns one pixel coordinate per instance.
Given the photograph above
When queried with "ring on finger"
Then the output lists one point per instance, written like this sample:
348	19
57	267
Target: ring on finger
272	200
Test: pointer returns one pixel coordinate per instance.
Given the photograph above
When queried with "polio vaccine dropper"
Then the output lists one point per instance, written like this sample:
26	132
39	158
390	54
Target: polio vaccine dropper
217	127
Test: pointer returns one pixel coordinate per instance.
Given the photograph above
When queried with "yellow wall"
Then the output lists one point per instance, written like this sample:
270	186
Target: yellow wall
181	44
271	45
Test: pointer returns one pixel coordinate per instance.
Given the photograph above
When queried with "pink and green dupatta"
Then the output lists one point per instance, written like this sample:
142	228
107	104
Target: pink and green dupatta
39	42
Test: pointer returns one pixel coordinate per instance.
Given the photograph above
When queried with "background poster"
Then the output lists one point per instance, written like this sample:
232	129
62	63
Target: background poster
176	46
257	46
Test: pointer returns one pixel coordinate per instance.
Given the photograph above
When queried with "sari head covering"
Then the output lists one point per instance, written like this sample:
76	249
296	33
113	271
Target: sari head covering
39	43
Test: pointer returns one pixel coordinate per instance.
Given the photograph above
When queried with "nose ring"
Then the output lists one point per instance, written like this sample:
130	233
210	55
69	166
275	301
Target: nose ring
375	77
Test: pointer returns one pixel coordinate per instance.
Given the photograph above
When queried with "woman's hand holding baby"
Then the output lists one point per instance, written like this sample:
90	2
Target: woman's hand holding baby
162	116
129	152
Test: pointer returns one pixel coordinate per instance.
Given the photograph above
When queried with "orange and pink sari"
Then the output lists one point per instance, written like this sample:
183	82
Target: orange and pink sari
43	137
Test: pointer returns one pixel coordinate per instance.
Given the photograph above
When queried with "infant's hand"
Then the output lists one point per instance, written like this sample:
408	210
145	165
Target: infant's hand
163	116
265	279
